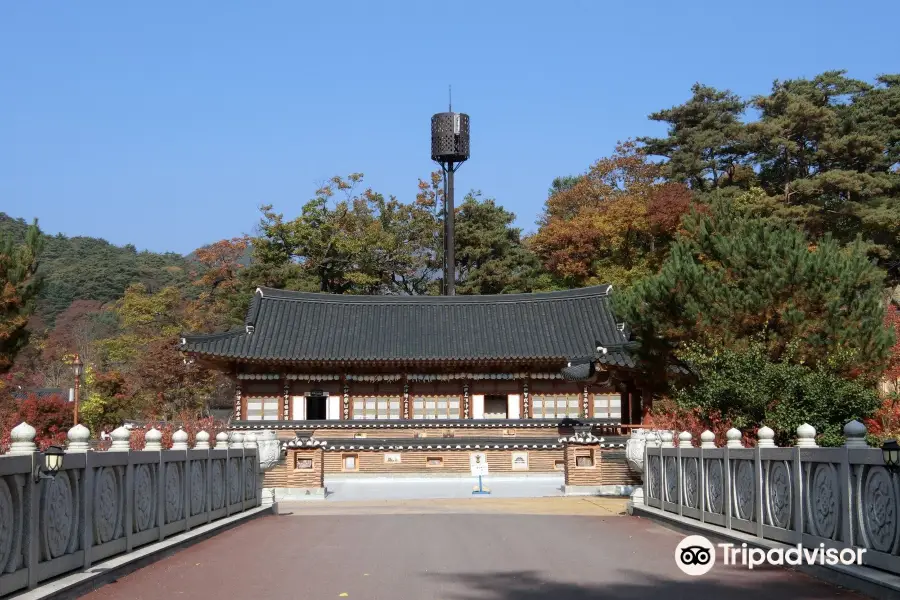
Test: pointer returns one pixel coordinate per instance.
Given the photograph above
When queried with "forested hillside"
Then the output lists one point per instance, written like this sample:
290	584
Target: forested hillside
86	268
756	244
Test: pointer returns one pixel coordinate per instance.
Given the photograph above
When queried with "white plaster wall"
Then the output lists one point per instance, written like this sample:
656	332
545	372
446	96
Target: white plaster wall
477	406
333	410
512	407
298	403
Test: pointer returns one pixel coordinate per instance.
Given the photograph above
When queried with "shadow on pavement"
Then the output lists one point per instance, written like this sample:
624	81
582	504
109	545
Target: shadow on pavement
528	585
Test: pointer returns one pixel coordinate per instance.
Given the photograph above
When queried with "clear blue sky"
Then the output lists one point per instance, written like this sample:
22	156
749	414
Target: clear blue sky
166	124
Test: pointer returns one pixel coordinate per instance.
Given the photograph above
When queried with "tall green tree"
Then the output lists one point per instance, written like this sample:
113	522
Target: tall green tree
19	286
730	280
364	243
705	147
491	257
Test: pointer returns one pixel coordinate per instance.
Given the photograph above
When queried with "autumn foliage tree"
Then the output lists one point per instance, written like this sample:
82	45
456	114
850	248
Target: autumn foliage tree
611	225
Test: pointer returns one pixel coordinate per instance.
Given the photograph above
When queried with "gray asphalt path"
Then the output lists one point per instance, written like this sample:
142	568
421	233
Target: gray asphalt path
460	550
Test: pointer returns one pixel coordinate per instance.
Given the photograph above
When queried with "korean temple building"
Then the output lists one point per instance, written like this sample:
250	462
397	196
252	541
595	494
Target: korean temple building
359	385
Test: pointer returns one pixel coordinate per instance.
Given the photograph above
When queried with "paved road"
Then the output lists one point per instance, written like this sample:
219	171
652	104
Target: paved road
474	549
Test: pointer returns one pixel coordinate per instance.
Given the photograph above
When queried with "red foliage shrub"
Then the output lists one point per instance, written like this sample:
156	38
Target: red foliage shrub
666	414
885	423
51	417
191	426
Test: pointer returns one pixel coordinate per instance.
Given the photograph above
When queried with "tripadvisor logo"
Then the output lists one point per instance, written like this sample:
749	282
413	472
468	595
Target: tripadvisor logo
696	555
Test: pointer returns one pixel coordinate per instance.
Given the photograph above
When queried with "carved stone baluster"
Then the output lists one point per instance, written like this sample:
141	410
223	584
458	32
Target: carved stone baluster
201	440
78	439
733	437
121	440
806	436
765	437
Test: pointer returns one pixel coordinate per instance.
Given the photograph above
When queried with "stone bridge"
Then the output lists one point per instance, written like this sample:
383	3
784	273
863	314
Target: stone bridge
139	524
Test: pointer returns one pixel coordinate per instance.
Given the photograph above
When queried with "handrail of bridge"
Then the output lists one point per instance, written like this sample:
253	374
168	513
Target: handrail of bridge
842	497
101	504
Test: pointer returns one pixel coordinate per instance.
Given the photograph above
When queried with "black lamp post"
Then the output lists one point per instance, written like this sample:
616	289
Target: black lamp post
890	450
49	463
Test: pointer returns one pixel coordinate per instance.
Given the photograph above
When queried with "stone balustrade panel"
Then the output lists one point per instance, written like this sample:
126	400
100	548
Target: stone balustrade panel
841	497
101	504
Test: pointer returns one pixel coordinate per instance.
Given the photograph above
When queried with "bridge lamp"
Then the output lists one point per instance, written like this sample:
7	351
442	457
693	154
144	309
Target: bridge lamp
49	463
890	450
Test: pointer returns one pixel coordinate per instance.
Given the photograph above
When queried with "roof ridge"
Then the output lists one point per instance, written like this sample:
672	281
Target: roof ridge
518	298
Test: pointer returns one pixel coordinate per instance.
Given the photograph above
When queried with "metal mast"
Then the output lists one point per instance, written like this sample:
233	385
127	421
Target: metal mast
450	149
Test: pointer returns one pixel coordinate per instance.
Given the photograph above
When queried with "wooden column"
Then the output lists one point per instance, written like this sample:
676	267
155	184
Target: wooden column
287	408
647	403
407	410
238	401
626	398
345	401
587	404
526	401
465	414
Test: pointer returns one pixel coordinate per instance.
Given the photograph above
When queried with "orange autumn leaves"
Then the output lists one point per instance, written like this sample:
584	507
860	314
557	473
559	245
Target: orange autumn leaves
614	224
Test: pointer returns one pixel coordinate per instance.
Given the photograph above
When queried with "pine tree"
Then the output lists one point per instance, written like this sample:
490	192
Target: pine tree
730	281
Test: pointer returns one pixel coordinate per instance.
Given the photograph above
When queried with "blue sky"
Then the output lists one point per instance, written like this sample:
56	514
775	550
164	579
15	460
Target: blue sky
166	124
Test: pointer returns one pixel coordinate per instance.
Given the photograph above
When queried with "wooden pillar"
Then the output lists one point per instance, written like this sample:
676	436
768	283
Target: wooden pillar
407	411
587	404
465	401
646	403
345	402
626	398
526	401
238	400
286	412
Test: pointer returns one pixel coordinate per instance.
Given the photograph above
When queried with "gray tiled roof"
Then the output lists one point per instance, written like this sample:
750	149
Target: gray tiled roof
299	327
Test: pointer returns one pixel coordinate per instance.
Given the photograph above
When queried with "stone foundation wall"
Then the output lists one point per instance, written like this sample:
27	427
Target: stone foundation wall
439	462
607	467
293	472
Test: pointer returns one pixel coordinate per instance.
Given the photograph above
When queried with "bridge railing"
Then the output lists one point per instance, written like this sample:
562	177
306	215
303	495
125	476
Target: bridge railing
100	504
841	497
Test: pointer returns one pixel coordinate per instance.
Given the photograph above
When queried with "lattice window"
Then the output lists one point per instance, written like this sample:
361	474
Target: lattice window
264	409
559	406
436	407
376	407
608	406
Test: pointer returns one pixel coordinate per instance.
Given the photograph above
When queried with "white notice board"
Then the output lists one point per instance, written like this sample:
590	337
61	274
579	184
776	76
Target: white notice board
478	463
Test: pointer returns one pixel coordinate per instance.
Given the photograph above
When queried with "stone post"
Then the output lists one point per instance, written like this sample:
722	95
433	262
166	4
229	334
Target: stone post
666	438
585	478
269	450
855	435
153	440
22	436
121	440
221	441
634	456
250	440
733	438
78	439
707	439
684	439
236	440
180	440
806	436
765	437
201	440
